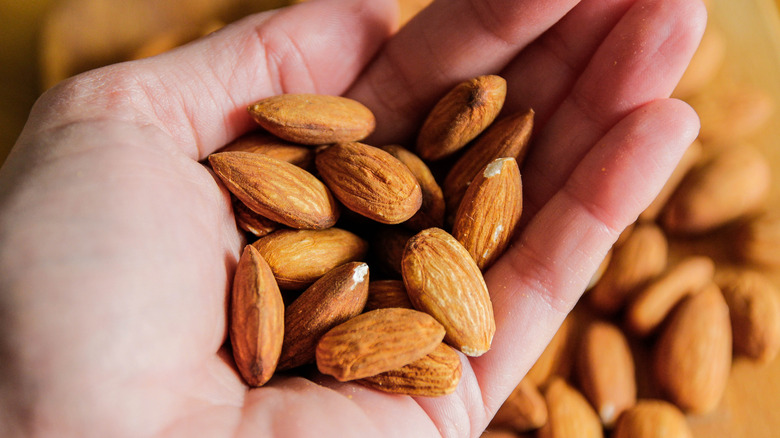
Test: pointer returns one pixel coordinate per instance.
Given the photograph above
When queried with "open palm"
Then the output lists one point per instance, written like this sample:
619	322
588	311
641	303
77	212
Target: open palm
117	246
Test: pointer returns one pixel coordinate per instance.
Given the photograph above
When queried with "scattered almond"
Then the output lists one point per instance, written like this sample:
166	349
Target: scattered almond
568	413
524	410
387	293
652	419
431	212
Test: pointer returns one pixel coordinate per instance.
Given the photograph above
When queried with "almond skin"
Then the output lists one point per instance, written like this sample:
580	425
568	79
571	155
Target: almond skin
339	295
252	222
754	308
605	370
276	189
508	137
435	374
387	293
653	303
263	143
256	318
692	357
490	211
313	119
299	257
757	239
376	342
370	182
568	413
462	114
652	419
431	212
523	411
444	281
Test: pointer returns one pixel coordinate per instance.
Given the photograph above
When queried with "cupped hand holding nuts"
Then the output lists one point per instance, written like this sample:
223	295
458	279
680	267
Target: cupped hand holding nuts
132	305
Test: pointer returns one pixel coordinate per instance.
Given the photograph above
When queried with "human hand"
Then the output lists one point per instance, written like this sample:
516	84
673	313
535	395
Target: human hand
117	246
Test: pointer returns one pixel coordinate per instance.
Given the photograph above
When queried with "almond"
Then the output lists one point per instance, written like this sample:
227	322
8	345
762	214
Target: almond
732	184
506	138
256	318
444	281
370	182
524	410
652	419
277	190
689	159
313	119
299	257
555	360
605	370
462	114
568	413
339	295
653	303
732	112
263	143
431	212
490	210
754	308
642	256
692	357
435	374
757	240
250	221
376	342
387	293
387	246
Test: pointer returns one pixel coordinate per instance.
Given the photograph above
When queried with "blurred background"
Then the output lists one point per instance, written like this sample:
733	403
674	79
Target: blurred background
733	82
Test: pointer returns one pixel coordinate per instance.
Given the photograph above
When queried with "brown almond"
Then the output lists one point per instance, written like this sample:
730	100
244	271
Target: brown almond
754	308
731	112
692	357
490	210
376	342
652	419
462	114
339	295
732	184
641	257
690	158
568	413
555	360
256	318
508	137
370	182
435	374
444	281
523	411
313	119
387	293
605	371
277	190
264	143
431	212
252	222
299	257
757	239
653	303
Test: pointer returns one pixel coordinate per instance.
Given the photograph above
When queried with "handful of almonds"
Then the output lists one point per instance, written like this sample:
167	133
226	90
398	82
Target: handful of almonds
324	206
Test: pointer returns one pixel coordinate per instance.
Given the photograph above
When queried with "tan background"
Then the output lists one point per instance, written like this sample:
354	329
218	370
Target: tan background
76	29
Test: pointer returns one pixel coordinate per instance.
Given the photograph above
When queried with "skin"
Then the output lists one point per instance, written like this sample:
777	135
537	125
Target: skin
117	246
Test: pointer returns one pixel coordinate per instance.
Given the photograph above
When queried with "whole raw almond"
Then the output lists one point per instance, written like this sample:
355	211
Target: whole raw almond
641	257
370	182
264	143
431	212
313	119
435	374
276	189
508	137
387	293
250	221
568	413
490	210
754	308
339	295
757	239
652	419
732	184
462	114
299	257
444	281
605	370
524	410
692	357
256	318
376	342
653	303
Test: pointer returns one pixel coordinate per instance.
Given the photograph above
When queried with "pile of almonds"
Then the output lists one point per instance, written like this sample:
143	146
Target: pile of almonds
321	207
685	290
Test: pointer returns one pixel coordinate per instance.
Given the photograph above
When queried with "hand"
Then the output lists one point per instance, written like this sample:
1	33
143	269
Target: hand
117	247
